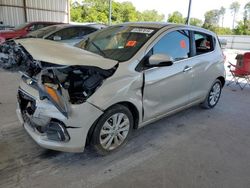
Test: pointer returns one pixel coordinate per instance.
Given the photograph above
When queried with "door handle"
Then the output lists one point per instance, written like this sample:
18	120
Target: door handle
187	68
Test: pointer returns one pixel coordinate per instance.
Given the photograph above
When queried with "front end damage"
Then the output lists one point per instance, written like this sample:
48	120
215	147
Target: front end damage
49	127
52	98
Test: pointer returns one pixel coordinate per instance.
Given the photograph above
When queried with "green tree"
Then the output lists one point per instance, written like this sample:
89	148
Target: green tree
247	11
116	15
151	15
222	31
176	17
128	12
222	13
76	14
242	28
234	7
211	19
98	11
90	11
196	22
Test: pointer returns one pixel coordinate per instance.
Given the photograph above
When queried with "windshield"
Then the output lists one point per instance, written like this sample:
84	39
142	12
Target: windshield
40	33
117	42
21	26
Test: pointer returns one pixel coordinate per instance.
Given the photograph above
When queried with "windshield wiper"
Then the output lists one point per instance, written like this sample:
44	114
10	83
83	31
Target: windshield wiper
97	47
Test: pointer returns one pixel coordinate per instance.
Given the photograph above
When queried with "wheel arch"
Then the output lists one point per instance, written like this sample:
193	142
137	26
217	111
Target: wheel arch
129	105
222	80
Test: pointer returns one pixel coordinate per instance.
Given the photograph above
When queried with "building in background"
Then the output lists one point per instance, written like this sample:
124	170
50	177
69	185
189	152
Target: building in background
15	12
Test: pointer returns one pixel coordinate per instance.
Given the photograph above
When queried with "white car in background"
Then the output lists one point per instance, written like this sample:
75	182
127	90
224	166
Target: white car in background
66	33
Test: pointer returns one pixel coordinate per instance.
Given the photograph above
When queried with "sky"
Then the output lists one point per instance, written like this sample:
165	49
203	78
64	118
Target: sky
199	7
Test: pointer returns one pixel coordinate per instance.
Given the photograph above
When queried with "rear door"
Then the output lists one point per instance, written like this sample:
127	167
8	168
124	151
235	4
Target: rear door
203	64
168	88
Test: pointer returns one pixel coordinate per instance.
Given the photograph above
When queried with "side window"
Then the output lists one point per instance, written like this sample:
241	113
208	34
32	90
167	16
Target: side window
39	26
36	27
31	28
65	34
204	43
174	44
82	31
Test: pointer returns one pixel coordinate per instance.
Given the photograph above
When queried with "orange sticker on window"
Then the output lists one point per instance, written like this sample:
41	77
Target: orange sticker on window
131	43
183	44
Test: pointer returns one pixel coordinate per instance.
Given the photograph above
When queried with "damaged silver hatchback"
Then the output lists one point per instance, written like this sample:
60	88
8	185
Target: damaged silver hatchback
116	80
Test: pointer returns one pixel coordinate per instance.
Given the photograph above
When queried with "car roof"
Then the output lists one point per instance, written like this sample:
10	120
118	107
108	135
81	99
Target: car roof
160	25
156	25
45	22
92	25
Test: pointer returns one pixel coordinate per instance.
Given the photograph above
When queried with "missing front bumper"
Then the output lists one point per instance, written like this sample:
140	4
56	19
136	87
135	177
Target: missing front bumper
77	125
52	129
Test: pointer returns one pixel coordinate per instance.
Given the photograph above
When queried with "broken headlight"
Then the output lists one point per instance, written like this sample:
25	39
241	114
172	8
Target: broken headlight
55	96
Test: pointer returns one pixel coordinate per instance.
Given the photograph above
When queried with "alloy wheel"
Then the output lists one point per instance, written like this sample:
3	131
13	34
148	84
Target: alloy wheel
114	131
214	94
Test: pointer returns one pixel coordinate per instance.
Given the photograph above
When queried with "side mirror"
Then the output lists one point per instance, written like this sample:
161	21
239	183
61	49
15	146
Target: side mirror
159	60
57	38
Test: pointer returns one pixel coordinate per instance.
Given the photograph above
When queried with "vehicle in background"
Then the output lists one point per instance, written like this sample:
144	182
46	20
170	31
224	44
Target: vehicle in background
23	29
66	33
5	27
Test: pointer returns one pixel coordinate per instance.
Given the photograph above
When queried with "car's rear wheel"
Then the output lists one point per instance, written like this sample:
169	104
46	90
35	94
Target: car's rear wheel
213	96
112	129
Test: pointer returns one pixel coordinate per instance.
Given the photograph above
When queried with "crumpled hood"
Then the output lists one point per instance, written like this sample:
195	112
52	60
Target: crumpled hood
63	54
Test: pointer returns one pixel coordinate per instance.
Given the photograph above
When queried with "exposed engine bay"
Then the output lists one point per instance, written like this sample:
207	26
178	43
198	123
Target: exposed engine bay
73	83
80	81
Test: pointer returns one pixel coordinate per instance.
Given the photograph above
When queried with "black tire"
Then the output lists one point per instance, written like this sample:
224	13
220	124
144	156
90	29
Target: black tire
207	104
105	118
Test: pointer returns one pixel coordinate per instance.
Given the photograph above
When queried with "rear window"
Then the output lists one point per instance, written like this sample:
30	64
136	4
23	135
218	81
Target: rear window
40	33
204	43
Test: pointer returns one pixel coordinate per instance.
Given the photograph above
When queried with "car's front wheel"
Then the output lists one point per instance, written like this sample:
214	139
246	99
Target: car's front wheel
213	95
112	129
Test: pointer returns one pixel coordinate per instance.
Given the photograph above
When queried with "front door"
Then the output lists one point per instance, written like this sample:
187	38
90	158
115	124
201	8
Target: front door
168	88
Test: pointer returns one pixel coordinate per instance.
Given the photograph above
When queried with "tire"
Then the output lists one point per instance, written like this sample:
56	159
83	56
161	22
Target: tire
109	137
213	95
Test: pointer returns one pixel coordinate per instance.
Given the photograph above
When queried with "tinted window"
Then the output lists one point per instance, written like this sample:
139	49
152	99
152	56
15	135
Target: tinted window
82	31
72	33
174	44
40	33
35	27
203	43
